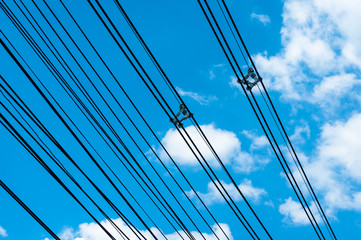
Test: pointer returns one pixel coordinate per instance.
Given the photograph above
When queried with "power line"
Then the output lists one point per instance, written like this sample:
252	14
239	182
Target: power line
122	89
24	143
160	95
299	165
235	62
23	205
170	85
111	140
76	138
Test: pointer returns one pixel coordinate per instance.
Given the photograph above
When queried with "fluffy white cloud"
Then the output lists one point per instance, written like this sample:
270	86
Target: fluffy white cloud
91	231
3	232
215	68
261	17
320	59
213	196
294	214
226	144
67	234
301	134
203	100
335	169
257	141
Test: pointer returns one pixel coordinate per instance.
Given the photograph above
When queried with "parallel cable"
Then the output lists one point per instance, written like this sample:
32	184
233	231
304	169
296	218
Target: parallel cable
47	150
114	132
272	138
174	90
152	131
23	205
23	142
121	48
76	138
143	189
88	143
143	154
267	126
43	55
98	132
304	176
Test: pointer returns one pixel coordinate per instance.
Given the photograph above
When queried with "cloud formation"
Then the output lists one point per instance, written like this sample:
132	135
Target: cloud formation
294	214
320	59
202	100
261	17
257	141
335	169
91	231
3	232
213	196
226	144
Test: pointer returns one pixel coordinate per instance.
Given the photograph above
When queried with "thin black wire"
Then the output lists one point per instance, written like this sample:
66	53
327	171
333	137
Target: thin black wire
161	103
38	49
83	134
218	158
132	103
268	130
292	156
23	205
145	47
302	172
134	30
126	55
123	125
95	120
158	66
47	150
324	217
76	138
24	143
261	113
230	28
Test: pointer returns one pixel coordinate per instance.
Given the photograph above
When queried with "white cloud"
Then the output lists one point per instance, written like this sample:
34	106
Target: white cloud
3	232
217	68
226	144
262	18
257	141
213	196
294	214
320	59
91	231
301	134
203	100
67	234
334	170
211	74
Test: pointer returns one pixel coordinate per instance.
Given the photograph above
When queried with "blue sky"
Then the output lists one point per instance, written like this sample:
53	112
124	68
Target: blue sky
308	52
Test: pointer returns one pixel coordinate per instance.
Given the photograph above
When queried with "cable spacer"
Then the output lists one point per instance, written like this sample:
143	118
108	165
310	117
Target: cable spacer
186	114
249	84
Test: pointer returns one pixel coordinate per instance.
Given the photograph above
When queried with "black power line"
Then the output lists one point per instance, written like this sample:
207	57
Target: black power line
24	143
234	69
178	97
260	112
143	154
276	143
121	161
160	95
23	205
299	165
76	137
122	89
